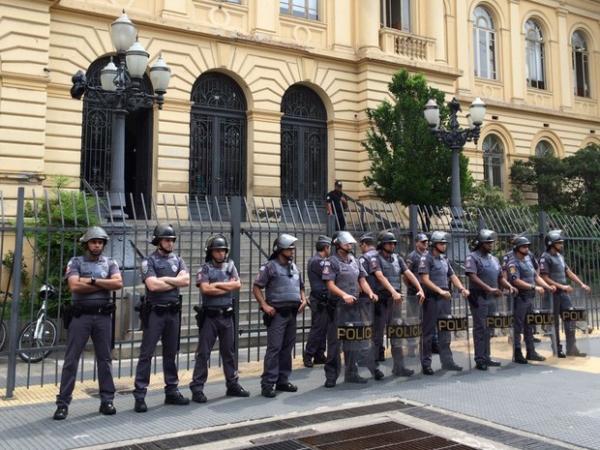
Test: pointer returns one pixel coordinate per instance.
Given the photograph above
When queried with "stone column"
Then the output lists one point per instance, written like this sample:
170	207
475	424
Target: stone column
517	46
564	61
436	28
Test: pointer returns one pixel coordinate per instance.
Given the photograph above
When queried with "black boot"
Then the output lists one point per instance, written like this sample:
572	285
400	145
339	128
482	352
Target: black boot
535	356
320	358
61	413
518	357
308	361
107	408
381	355
140	406
176	399
560	352
237	391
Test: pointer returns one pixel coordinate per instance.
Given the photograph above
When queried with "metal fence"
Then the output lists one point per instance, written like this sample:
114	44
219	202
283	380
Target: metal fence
43	231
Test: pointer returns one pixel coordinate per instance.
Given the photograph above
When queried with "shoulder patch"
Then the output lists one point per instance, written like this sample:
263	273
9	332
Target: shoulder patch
145	266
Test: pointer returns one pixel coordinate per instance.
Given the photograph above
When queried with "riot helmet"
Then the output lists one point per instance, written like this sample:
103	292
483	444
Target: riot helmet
216	242
520	241
163	231
367	238
385	237
553	237
94	232
484	236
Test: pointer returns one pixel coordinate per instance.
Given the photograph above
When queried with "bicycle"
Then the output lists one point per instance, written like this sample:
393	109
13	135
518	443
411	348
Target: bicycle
40	333
3	330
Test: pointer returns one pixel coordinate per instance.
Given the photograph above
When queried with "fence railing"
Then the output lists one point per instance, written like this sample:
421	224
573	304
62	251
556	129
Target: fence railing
44	233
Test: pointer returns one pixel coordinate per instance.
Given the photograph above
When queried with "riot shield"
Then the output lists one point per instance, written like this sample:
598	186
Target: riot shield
404	332
454	337
500	325
541	320
354	325
574	317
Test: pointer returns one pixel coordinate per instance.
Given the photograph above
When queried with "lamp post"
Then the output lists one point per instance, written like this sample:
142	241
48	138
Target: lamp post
120	89
455	138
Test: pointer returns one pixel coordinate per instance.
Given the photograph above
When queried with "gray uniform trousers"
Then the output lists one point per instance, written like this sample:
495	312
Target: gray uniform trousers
98	327
381	318
213	327
281	337
481	308
522	307
562	302
166	328
315	343
435	307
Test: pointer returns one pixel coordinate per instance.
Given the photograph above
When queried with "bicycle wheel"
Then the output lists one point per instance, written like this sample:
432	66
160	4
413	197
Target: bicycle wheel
2	335
28	343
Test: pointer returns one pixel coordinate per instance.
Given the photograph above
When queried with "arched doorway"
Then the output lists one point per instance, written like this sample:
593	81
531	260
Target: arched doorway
217	137
96	141
303	146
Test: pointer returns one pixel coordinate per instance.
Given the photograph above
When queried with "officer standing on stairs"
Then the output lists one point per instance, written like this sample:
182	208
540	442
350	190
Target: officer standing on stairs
90	277
388	269
282	301
555	272
485	280
522	275
217	279
435	271
314	352
163	273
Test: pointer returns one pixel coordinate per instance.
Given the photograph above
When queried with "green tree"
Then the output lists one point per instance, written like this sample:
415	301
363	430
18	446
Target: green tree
570	185
408	164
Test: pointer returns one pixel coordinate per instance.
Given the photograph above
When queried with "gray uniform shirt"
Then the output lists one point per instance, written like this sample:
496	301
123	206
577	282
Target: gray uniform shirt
370	262
344	273
412	261
159	265
212	273
282	283
521	269
315	265
438	268
486	266
554	266
84	266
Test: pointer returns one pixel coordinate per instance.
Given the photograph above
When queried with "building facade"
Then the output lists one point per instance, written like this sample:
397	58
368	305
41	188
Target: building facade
268	97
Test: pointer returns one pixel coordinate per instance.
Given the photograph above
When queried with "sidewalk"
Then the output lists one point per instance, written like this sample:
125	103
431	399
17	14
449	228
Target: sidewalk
557	399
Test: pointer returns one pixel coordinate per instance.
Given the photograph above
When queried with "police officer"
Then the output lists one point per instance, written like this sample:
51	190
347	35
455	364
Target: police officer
435	271
314	352
413	308
369	259
90	277
522	275
555	272
388	269
282	300
164	273
485	280
217	279
345	278
337	202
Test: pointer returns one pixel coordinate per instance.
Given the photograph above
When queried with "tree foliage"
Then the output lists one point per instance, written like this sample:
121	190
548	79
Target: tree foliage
408	164
570	185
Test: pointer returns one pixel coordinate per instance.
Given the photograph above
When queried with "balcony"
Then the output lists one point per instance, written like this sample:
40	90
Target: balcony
406	45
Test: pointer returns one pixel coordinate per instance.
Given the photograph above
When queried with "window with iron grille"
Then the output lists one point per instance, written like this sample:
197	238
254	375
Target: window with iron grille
217	137
493	160
307	9
395	14
303	145
484	44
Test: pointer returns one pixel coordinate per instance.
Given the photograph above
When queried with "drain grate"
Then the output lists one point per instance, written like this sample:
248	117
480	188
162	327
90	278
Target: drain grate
382	436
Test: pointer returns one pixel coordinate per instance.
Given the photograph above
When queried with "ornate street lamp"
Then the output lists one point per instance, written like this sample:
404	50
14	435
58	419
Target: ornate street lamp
455	138
121	92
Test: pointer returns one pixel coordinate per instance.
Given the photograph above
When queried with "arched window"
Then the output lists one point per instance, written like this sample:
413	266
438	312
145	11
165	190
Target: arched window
484	43
217	137
493	160
535	56
303	145
580	65
544	148
395	14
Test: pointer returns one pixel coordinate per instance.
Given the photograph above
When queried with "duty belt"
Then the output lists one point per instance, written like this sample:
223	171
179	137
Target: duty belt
171	307
216	312
105	309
